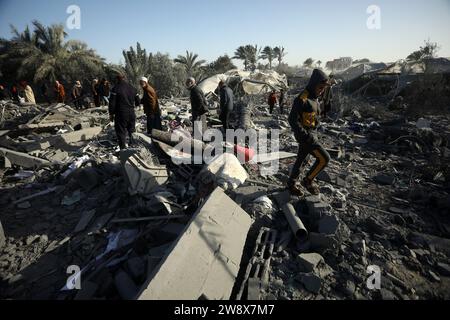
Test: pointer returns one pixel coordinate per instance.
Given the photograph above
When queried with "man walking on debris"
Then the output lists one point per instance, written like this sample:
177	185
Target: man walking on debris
282	100
76	94
199	107
151	106
303	120
226	105
60	92
95	94
124	98
272	100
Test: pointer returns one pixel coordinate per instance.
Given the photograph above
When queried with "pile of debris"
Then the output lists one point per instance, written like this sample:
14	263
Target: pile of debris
139	224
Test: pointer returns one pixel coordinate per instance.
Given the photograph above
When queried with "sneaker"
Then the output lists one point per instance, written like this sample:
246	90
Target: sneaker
311	187
293	190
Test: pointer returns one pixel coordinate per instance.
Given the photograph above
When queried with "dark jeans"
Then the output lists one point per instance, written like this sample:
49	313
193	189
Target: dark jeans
97	100
124	123
225	118
197	132
271	108
153	122
317	151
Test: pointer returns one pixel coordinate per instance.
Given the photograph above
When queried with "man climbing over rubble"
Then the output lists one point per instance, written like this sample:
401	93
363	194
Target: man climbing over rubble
151	106
199	107
303	120
226	104
60	92
124	98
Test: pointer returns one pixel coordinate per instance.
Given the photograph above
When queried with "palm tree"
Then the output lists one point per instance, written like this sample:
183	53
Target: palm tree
190	63
137	63
308	62
241	54
268	53
279	54
44	55
249	54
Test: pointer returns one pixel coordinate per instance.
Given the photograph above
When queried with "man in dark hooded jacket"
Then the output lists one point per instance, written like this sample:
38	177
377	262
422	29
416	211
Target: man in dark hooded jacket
124	98
226	104
303	121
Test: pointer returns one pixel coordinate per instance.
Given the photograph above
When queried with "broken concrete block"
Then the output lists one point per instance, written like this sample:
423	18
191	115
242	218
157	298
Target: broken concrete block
141	175
321	241
384	179
443	269
312	282
316	210
22	159
205	259
328	224
125	285
226	171
309	261
61	141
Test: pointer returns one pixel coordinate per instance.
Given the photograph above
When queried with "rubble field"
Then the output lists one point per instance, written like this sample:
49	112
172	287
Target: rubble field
77	213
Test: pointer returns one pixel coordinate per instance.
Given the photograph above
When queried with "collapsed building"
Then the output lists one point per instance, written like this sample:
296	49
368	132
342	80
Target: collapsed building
80	220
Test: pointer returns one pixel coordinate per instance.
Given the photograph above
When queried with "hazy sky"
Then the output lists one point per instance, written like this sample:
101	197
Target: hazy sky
319	29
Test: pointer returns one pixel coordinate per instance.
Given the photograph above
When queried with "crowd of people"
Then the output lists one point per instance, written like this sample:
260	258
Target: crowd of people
123	98
79	97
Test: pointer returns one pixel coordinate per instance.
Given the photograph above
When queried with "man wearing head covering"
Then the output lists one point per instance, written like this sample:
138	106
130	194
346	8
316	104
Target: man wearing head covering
60	92
151	106
226	104
303	121
28	92
123	99
199	108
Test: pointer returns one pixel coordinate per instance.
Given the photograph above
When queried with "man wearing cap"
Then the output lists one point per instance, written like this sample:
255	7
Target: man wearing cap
199	107
303	120
124	98
151	106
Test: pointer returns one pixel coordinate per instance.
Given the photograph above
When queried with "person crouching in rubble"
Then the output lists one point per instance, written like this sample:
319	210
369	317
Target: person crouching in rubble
124	98
199	108
303	120
151	106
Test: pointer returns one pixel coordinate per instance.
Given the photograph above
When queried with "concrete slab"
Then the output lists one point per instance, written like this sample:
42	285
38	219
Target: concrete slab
22	159
205	259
